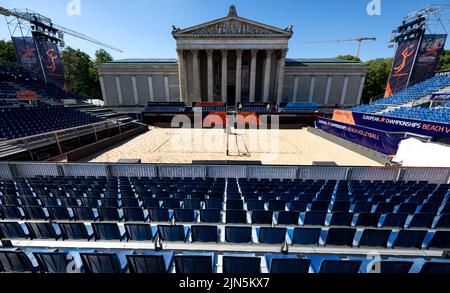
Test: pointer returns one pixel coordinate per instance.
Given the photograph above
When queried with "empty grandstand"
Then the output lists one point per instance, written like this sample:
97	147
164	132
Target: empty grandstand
202	220
232	159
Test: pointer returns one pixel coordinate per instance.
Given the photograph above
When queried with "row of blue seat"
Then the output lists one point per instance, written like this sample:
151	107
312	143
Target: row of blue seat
215	215
27	121
14	79
147	261
333	236
441	115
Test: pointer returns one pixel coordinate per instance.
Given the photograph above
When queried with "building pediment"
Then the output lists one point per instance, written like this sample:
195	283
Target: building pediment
232	25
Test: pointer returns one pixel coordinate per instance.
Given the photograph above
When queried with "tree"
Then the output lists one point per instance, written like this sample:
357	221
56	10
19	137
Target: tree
349	58
101	56
77	69
81	74
444	63
7	52
377	77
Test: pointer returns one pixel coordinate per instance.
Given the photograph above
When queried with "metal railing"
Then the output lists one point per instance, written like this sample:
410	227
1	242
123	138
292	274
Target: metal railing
59	136
31	169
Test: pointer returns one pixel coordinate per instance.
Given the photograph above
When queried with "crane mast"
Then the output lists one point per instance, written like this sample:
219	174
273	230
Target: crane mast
38	20
359	40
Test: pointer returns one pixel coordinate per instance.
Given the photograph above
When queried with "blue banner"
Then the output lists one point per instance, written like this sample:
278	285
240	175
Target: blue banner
441	96
394	124
377	140
27	55
51	62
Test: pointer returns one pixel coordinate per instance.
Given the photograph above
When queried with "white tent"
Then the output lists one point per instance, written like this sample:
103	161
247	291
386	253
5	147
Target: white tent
415	153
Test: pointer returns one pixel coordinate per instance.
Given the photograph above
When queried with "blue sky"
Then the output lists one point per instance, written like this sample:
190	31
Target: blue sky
142	28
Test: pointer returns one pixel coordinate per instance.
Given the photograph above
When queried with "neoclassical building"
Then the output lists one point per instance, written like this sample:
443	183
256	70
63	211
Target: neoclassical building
232	59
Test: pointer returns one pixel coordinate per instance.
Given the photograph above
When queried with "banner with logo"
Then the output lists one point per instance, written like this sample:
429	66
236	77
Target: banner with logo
402	66
428	57
27	54
440	96
51	62
394	124
442	73
377	140
27	96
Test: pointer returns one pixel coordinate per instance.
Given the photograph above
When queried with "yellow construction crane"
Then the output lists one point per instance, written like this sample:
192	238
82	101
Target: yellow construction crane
359	40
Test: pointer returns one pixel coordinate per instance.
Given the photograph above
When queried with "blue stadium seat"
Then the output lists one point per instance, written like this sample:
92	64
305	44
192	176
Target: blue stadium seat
55	262
271	235
139	232
238	234
16	261
435	268
288	218
194	263
236	217
340	236
172	233
106	231
287	264
375	237
409	239
341	219
134	214
184	215
241	264
159	214
102	262
440	240
150	262
74	231
210	216
11	230
202	233
306	236
41	230
262	217
315	218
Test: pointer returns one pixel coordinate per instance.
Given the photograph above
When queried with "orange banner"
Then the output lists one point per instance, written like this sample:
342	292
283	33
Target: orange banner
215	118
26	96
209	104
343	116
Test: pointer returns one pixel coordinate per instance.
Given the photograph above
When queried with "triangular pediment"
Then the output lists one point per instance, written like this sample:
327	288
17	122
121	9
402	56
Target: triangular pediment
232	26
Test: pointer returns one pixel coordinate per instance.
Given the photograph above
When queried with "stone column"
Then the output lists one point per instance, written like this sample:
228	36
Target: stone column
238	75
328	90
135	93
253	76
196	69
182	75
344	90
209	53
267	75
311	88
281	68
224	75
119	90
295	89
102	86
361	88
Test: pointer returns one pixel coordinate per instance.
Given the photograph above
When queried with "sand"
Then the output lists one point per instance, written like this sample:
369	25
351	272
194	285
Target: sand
280	147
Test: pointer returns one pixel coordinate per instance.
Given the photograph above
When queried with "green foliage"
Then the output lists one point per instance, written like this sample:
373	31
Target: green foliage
377	78
81	74
7	52
444	63
349	57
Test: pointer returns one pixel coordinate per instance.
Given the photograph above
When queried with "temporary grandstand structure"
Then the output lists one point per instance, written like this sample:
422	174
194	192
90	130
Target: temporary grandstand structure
220	219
